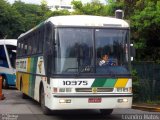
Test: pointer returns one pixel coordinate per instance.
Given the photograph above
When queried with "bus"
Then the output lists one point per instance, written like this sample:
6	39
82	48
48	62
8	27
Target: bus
58	63
7	62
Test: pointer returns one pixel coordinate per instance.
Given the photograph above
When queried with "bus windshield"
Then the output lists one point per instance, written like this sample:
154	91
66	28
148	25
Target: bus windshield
80	51
112	51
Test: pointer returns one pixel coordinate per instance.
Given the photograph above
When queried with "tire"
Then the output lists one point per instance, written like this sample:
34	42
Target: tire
24	96
45	110
106	112
4	83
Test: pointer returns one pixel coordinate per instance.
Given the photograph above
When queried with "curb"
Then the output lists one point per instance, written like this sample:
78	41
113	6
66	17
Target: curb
146	108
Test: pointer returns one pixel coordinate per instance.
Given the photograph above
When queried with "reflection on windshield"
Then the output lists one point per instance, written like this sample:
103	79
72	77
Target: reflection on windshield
112	51
74	51
77	51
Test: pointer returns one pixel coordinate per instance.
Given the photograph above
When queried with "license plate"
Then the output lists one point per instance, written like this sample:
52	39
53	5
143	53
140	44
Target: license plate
94	100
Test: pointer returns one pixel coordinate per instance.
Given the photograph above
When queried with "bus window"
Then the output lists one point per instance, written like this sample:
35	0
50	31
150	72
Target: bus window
3	59
29	51
34	43
18	49
12	54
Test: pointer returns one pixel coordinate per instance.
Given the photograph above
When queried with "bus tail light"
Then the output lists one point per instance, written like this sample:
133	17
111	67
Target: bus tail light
55	90
65	89
62	90
124	89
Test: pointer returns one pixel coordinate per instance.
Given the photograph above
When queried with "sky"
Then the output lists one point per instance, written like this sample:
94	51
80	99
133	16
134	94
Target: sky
51	2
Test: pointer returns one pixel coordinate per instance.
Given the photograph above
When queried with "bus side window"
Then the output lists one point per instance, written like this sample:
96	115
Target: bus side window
3	59
25	47
34	46
18	49
36	42
21	49
12	54
40	40
29	51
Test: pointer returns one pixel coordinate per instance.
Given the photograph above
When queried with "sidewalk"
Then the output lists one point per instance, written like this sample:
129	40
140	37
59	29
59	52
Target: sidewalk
147	107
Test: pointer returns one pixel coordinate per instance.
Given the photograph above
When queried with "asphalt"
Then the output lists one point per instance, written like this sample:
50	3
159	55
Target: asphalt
139	106
147	107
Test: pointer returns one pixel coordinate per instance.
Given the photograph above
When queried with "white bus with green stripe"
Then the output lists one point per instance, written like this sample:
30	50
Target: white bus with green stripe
58	64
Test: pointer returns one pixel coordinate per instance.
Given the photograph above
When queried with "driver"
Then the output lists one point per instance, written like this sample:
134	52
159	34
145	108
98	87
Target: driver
105	61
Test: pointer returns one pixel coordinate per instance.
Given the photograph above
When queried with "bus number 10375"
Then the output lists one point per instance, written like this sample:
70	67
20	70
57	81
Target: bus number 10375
75	82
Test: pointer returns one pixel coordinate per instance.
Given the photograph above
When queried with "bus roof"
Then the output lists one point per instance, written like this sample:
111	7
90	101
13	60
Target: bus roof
8	42
83	21
87	20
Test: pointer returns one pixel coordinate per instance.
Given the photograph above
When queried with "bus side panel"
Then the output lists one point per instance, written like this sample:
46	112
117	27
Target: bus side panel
22	82
18	77
32	74
9	75
11	79
40	71
25	83
32	79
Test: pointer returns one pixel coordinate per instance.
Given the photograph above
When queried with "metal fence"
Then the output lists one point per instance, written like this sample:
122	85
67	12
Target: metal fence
149	81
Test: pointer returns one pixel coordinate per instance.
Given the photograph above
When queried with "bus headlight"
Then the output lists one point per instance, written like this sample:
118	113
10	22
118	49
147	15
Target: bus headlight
65	101
65	89
68	89
119	89
122	100
61	89
124	89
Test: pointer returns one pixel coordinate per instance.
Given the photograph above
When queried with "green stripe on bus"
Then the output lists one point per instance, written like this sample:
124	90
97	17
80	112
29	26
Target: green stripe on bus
110	82
32	77
104	82
99	82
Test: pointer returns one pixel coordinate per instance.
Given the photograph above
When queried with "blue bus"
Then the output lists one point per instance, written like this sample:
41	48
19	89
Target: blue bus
7	62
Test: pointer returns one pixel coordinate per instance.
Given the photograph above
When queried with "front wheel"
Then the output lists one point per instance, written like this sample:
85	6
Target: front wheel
106	111
45	110
4	83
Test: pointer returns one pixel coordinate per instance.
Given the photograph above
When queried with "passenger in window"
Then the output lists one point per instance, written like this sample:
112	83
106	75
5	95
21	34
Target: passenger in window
106	61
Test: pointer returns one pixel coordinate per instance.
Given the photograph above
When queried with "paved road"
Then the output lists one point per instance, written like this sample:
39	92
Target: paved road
16	108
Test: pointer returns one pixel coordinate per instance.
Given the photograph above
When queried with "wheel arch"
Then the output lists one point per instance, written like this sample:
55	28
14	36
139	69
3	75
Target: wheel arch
40	88
20	84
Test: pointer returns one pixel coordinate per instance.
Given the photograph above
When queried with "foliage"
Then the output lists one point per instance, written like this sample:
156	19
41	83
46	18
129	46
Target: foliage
143	16
31	14
10	19
59	12
135	86
93	8
145	25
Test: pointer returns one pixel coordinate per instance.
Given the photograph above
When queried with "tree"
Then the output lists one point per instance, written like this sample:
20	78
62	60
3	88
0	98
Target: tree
145	25
93	8
59	12
10	22
32	14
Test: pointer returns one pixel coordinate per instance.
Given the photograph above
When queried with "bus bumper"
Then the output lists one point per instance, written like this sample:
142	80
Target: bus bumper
66	102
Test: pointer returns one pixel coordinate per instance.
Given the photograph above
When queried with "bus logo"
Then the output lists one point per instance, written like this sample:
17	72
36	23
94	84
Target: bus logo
40	66
94	90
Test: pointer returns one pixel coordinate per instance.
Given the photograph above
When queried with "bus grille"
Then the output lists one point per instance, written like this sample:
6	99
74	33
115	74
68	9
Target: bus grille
90	89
